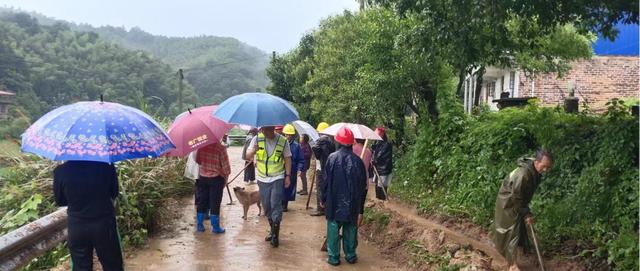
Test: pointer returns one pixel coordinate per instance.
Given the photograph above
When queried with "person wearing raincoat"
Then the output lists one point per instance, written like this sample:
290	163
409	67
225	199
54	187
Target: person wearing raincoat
345	183
322	148
383	163
297	165
512	205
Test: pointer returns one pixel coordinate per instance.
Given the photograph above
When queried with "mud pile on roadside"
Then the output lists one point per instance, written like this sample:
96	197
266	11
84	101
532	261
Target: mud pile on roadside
418	247
436	243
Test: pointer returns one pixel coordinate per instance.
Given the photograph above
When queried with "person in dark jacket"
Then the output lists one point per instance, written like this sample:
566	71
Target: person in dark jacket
306	153
512	205
89	190
250	170
322	148
345	183
297	165
382	161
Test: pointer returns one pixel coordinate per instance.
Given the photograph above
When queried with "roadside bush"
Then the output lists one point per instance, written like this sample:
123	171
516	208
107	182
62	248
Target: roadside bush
26	194
590	196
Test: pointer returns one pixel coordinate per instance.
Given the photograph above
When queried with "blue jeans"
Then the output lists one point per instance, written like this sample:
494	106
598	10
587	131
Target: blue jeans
271	195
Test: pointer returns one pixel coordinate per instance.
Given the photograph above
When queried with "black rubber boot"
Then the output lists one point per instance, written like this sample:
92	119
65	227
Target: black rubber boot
275	235
270	235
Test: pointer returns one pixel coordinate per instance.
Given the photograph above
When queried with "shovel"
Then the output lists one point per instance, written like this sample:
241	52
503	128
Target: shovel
535	243
313	180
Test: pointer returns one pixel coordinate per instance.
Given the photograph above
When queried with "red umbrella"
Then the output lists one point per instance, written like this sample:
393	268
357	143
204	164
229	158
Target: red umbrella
195	129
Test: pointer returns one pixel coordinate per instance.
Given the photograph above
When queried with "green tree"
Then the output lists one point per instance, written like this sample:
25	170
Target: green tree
475	34
51	65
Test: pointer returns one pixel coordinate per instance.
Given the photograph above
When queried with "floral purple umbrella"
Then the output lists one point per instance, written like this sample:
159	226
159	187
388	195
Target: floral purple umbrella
96	131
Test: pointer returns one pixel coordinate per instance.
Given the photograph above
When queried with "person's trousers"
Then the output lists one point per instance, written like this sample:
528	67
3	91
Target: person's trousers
249	172
209	194
320	185
271	195
303	179
382	184
349	240
87	234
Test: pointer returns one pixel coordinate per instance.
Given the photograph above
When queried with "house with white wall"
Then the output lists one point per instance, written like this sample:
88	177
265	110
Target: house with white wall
612	73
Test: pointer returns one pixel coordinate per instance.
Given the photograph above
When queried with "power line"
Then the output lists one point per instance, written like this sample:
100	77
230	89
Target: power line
222	64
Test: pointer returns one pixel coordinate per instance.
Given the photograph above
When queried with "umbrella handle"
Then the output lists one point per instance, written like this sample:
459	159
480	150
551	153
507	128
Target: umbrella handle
234	178
230	198
364	148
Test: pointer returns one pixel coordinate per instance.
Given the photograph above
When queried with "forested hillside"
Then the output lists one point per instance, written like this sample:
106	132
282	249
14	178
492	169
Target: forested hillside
216	67
51	65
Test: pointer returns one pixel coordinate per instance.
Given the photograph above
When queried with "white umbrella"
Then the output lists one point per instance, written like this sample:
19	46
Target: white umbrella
359	131
244	127
304	128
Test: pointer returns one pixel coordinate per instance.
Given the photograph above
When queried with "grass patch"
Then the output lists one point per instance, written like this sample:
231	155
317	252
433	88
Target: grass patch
421	256
9	148
380	219
145	185
458	164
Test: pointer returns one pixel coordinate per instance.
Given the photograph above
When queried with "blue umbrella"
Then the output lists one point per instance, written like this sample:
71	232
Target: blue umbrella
257	110
96	131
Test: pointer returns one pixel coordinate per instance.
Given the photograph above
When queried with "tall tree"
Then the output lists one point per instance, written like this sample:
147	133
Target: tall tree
478	33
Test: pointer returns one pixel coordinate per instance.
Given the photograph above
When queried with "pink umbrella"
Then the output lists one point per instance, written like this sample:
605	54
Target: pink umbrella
359	131
195	129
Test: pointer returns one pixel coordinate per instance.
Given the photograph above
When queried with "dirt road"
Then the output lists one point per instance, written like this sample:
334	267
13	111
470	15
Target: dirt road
242	247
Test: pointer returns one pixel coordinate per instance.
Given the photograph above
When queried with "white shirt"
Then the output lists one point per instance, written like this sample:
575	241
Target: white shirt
270	145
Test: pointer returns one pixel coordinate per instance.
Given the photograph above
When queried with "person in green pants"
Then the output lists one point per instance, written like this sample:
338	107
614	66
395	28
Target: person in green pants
342	198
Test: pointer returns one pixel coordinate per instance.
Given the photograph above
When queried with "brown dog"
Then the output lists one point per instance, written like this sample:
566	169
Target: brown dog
247	199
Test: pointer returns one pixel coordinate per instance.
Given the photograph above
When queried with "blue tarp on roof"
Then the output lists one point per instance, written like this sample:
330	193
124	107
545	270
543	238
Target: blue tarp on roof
626	42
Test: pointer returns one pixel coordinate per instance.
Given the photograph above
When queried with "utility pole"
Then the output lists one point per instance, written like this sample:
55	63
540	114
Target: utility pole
180	78
363	4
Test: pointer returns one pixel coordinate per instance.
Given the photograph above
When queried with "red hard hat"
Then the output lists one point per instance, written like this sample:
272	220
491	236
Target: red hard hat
345	136
380	131
279	127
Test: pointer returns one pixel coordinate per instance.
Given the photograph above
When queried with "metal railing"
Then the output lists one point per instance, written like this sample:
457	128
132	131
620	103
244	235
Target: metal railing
19	247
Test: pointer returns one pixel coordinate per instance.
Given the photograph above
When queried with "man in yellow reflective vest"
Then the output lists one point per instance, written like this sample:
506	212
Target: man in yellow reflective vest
272	158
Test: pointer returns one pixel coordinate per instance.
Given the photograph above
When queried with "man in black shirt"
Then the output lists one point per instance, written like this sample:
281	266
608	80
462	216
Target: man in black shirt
89	189
322	148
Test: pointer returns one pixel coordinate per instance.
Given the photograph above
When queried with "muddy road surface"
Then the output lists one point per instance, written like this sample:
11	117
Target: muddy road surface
242	247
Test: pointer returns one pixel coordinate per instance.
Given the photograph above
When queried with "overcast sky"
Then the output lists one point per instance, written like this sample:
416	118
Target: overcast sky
271	25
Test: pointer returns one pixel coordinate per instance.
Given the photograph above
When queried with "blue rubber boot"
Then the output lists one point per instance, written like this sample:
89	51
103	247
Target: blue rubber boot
200	225
215	224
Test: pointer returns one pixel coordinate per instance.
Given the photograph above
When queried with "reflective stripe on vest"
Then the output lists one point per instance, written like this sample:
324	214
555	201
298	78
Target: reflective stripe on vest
270	166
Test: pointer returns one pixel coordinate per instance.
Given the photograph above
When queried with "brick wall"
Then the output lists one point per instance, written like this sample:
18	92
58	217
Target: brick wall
595	81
